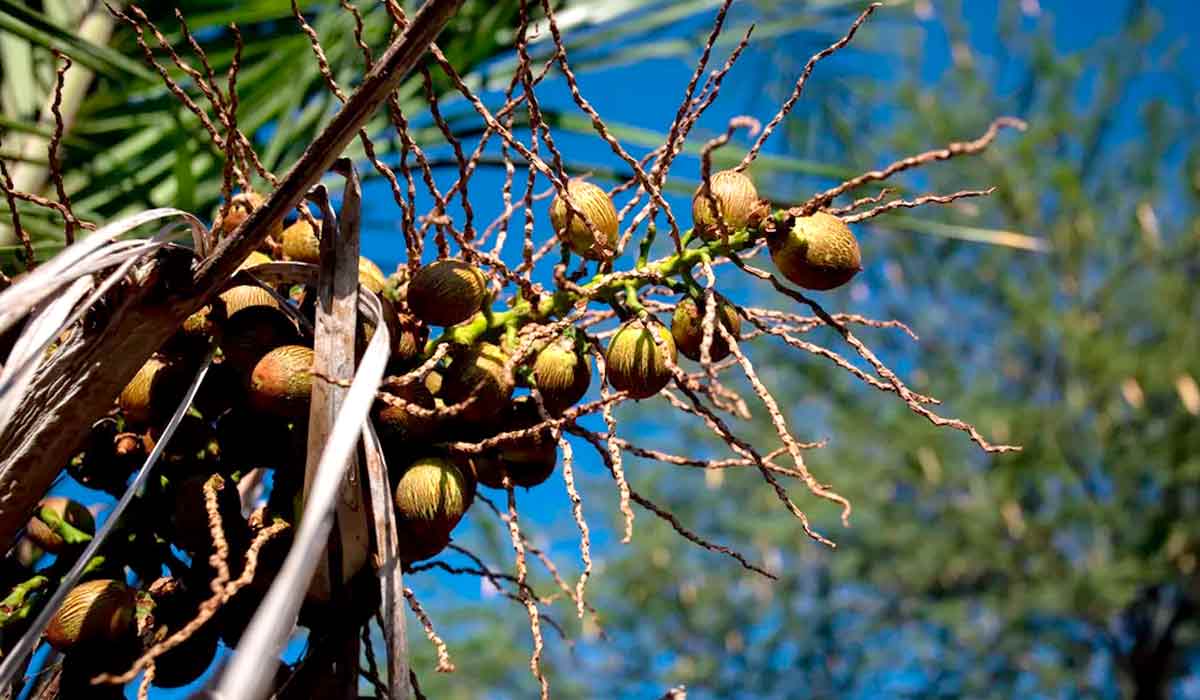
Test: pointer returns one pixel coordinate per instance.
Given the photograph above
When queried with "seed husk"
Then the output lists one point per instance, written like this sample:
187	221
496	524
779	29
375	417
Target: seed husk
446	292
478	374
561	374
594	203
281	382
817	252
635	362
93	611
73	513
736	199
687	328
431	497
300	243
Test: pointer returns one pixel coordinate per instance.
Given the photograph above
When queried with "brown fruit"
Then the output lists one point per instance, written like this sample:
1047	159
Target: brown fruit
399	424
817	252
736	199
478	374
687	328
165	608
72	512
431	497
300	243
561	374
281	383
95	611
154	392
252	333
595	204
447	292
240	208
528	461
636	363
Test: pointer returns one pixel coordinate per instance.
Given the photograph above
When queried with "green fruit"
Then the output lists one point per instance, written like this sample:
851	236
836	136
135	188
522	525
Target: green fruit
245	296
431	497
561	374
687	328
818	252
595	204
447	292
281	383
73	513
636	362
300	243
736	199
478	374
95	611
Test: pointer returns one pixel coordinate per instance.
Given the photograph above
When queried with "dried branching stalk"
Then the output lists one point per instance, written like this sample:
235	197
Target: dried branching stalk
587	304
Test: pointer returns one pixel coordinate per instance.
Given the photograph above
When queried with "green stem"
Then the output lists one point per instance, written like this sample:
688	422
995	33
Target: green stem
17	605
68	532
601	286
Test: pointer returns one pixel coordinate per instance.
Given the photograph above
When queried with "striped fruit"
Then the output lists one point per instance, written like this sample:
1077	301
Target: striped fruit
561	374
370	276
300	243
528	461
431	497
818	252
95	611
447	292
687	328
281	383
478	375
240	208
636	362
595	204
152	394
736	199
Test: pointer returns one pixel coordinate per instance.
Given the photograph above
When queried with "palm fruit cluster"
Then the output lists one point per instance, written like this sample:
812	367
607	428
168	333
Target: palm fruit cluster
249	418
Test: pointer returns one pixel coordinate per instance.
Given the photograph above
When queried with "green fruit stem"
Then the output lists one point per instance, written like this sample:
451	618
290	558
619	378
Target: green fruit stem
678	265
68	532
20	602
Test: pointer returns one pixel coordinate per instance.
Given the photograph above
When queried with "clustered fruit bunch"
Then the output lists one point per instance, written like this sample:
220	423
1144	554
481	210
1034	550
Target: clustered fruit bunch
250	415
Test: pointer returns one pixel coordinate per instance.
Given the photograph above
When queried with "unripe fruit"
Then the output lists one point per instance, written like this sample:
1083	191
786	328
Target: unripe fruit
431	497
594	203
636	363
190	515
281	383
687	328
240	208
370	276
154	391
479	374
447	292
95	611
300	243
528	461
736	199
561	374
72	512
253	332
817	252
